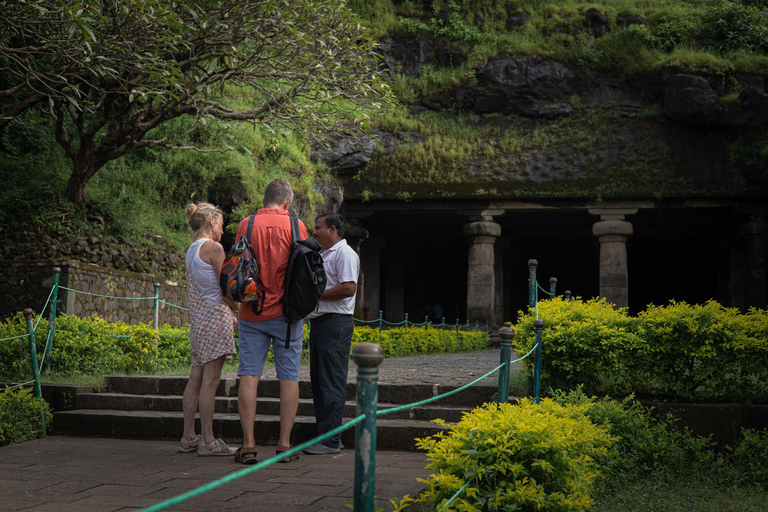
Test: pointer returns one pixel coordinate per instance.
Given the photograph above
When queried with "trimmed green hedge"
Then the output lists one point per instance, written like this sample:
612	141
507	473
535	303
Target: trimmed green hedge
93	346
680	351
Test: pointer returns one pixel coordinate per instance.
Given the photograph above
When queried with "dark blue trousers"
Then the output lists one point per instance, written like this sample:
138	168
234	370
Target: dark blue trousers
329	344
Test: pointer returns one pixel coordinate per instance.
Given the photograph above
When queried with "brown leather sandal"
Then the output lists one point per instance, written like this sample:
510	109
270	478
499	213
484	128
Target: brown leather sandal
282	449
246	455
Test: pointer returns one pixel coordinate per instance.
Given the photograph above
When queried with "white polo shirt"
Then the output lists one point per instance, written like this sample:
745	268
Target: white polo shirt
342	265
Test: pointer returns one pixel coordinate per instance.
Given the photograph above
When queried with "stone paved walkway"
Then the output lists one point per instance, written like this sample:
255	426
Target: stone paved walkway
74	474
443	369
71	474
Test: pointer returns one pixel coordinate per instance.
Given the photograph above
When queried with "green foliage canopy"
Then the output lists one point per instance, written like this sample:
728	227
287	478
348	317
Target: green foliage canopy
109	72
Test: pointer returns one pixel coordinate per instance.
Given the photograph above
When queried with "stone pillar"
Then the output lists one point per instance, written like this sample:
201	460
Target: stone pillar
612	231
481	276
370	265
355	235
394	280
754	233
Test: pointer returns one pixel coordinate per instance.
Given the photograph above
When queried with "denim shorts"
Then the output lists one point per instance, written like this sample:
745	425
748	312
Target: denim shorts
254	341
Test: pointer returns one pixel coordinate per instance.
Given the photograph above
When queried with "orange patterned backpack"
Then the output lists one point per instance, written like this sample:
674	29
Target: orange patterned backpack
239	279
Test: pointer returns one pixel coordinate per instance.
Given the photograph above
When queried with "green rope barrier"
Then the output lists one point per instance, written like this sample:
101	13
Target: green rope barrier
47	342
365	321
6	388
394	323
106	296
542	289
243	472
454	496
438	397
15	337
43	310
172	304
449	393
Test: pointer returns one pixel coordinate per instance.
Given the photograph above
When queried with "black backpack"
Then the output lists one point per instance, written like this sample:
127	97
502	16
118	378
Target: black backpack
304	279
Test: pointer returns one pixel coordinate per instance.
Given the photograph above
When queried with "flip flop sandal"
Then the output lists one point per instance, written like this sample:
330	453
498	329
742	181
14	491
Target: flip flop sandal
240	455
282	449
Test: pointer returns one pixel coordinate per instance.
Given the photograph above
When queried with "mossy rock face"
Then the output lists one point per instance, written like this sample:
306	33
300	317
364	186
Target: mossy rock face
590	157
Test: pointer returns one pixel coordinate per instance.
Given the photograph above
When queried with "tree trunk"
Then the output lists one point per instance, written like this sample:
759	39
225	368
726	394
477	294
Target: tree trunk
84	170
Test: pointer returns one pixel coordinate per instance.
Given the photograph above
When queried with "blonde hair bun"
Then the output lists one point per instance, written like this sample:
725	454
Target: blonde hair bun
191	210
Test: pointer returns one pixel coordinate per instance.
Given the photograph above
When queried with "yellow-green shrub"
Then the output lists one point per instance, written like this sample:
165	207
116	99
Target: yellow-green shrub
93	346
584	342
399	342
703	351
522	457
20	416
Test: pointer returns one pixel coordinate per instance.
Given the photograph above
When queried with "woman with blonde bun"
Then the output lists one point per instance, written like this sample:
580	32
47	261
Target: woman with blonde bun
211	329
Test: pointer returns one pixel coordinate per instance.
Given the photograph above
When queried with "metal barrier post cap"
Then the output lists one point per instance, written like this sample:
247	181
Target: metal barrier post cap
538	324
506	333
56	270
533	263
28	312
552	279
367	355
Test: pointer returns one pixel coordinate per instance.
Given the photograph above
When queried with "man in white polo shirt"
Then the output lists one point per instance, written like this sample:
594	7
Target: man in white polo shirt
330	335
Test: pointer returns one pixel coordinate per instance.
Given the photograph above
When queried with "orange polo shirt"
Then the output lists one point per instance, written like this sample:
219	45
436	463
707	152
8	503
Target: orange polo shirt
271	240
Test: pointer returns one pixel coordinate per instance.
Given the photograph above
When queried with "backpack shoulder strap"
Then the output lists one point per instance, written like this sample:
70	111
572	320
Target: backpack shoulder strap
295	228
250	227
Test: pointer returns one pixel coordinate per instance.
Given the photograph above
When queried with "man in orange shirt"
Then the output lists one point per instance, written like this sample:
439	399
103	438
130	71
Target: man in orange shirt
271	240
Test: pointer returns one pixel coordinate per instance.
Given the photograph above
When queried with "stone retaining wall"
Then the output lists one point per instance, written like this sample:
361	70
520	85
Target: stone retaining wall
26	284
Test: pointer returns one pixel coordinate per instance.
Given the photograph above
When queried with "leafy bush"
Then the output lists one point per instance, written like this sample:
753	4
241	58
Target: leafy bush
517	457
642	444
20	416
687	352
734	27
749	458
399	342
701	352
674	27
93	346
584	342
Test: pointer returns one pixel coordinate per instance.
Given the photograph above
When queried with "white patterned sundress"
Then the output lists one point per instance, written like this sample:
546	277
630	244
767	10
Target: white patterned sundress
211	332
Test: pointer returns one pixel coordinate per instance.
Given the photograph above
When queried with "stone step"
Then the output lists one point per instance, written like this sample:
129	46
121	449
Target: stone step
392	434
388	393
267	406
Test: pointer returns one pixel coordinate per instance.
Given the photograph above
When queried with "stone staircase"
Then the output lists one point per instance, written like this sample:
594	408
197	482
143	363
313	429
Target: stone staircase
150	408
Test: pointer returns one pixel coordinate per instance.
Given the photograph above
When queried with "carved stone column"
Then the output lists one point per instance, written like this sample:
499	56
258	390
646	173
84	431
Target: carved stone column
481	276
612	231
355	235
754	233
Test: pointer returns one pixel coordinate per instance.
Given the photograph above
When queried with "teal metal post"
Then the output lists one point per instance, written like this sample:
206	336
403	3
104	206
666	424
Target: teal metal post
157	306
406	321
467	325
506	334
442	325
538	327
426	322
52	320
477	325
367	357
532	264
33	359
552	287
381	322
